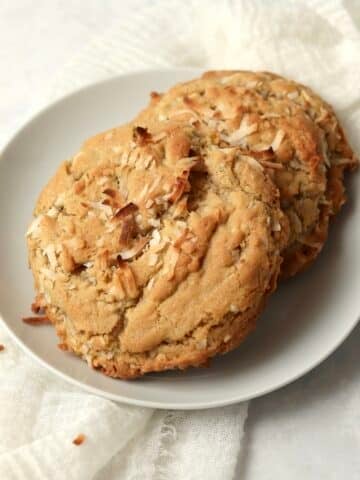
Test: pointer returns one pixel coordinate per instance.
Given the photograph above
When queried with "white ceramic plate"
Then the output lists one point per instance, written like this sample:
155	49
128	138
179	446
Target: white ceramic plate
305	320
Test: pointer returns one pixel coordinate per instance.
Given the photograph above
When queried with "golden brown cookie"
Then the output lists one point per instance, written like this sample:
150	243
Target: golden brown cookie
155	248
285	127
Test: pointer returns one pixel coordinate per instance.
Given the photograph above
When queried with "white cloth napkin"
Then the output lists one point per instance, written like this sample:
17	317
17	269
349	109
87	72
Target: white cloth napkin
314	42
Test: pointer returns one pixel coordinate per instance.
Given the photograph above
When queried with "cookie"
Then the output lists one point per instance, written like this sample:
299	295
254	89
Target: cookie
155	248
284	126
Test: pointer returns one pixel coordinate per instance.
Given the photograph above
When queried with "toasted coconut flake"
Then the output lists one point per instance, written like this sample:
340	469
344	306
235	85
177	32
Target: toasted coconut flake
295	222
276	227
106	209
149	203
156	238
100	242
154	222
182	235
110	192
111	227
214	124
323	115
227	338
264	154
102	260
180	208
245	129
48	273
79	186
226	149
66	260
279	137
234	308
147	161
178	189
154	184
180	186
272	165
161	200
153	259
35	224
49	251
260	147
202	344
159	136
138	218
43	320
128	230
342	161
306	96
310	243
38	305
88	264
251	84
79	439
184	111
128	209
59	202
293	95
324	151
132	252
229	78
155	95
117	287
151	283
75	243
173	259
141	136
189	245
251	161
77	156
123	157
53	212
181	224
128	279
143	192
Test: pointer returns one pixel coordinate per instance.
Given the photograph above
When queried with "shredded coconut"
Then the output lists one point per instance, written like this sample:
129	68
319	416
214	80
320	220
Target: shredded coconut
35	224
245	129
279	137
153	259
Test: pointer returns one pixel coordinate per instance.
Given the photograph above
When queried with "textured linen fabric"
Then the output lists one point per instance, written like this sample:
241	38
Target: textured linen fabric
315	42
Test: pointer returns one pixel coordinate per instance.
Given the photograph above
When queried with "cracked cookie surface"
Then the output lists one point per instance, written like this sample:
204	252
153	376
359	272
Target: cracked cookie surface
155	248
285	127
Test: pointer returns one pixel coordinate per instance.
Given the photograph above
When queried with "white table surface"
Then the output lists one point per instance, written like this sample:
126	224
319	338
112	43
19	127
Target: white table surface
317	417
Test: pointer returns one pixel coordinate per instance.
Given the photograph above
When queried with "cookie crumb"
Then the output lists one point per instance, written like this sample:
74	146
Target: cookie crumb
2	347
79	439
36	320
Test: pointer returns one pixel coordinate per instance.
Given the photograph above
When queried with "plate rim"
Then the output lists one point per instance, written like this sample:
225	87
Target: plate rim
202	405
32	117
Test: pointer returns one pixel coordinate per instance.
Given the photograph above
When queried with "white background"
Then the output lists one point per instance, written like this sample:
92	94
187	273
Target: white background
318	417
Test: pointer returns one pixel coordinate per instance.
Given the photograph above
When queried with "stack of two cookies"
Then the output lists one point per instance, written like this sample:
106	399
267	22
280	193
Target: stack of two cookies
156	246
